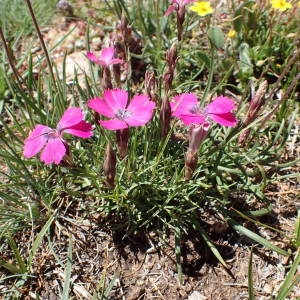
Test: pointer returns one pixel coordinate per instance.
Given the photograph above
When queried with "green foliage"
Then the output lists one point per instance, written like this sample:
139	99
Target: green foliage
15	20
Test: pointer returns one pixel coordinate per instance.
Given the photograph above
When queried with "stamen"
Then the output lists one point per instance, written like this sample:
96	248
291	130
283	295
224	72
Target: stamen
53	134
195	109
123	114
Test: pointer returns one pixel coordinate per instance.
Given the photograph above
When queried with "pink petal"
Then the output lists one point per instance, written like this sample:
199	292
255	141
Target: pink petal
192	119
107	54
82	129
227	119
113	124
54	151
92	57
141	110
71	117
101	107
183	104
185	2
220	105
115	61
36	140
170	9
116	99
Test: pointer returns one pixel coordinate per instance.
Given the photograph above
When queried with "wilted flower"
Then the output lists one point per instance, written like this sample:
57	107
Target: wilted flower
281	4
114	105
176	5
202	8
179	7
109	166
50	140
106	57
256	103
186	108
197	133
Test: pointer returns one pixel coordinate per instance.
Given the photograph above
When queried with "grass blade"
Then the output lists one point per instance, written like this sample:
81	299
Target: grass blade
210	244
291	279
250	276
37	242
178	254
17	254
255	237
68	271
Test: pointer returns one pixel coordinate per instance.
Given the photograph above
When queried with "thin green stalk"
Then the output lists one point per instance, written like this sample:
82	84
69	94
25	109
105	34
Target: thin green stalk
210	76
42	42
250	276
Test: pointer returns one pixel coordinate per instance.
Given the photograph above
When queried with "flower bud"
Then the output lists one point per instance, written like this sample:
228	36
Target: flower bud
190	165
106	79
122	141
197	133
150	84
109	166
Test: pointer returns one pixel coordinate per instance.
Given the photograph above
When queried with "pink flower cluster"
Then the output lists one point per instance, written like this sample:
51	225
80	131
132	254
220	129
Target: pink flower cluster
186	108
50	141
106	57
113	105
123	112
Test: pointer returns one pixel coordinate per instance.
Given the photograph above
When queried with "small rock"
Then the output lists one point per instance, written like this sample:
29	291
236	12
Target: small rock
268	289
196	296
135	293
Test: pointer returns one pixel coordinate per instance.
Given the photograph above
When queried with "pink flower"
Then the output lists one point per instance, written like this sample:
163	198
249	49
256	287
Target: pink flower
186	108
106	57
50	140
176	5
114	106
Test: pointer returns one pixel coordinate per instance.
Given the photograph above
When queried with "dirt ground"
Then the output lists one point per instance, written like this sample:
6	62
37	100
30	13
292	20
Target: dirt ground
144	267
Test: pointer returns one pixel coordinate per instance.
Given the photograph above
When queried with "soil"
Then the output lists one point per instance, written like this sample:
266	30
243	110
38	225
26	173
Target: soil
144	266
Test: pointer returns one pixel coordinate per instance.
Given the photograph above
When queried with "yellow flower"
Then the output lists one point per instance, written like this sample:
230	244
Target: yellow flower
232	33
281	4
202	8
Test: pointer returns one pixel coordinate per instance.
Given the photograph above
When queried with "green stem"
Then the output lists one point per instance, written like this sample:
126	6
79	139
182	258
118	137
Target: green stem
41	41
210	76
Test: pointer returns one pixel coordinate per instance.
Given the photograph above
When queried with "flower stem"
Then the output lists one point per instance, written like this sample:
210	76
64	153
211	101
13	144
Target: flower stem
41	41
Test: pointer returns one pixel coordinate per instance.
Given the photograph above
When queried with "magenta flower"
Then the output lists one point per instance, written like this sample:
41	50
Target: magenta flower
50	140
106	57
186	108
177	5
114	106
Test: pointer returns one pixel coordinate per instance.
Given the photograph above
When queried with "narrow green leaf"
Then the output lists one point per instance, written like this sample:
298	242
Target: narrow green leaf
250	276
10	267
255	237
110	286
290	280
209	243
17	254
202	56
37	242
178	254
